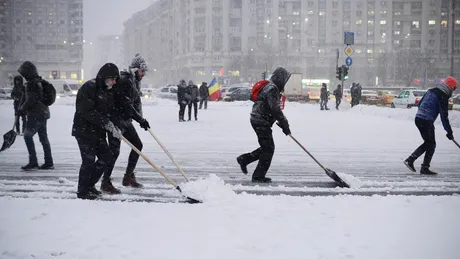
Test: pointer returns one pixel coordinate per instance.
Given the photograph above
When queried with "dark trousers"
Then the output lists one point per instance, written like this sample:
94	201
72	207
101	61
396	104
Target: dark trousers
337	102
92	169
195	110
264	153
17	125
182	110
205	101
130	133
324	103
37	126
428	147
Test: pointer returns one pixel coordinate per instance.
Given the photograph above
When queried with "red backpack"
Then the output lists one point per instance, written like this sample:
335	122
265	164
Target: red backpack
257	88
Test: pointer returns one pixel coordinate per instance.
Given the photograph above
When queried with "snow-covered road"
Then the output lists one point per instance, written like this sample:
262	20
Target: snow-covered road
368	143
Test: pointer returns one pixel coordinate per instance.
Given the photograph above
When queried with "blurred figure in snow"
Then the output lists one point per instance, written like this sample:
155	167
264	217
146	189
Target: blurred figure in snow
204	95
324	97
192	96
17	95
181	99
433	103
338	96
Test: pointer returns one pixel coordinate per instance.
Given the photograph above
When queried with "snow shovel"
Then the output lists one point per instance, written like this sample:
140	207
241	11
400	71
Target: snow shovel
456	143
333	175
189	200
9	137
169	154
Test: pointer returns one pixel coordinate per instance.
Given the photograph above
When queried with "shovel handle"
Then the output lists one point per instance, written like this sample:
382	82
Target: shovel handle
456	143
15	121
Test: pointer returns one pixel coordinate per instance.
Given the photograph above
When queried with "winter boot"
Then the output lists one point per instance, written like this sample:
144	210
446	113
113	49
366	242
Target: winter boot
130	180
87	196
46	166
261	180
426	171
242	164
410	164
30	166
94	191
107	187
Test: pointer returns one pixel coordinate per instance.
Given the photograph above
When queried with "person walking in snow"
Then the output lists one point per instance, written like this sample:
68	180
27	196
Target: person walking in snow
353	93
204	95
18	95
338	96
93	119
181	99
128	107
192	95
324	97
37	115
265	111
434	102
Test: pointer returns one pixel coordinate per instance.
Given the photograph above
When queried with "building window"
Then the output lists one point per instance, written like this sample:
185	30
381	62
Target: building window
431	22
322	13
383	22
457	22
370	22
359	22
383	3
444	23
383	12
396	32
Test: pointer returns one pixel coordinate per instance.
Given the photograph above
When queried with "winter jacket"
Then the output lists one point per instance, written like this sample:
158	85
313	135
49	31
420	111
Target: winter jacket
266	110
338	93
434	102
94	108
128	97
31	102
204	91
194	94
18	92
324	94
181	92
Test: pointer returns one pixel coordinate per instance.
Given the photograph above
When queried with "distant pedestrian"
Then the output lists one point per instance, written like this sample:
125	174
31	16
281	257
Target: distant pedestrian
338	96
192	95
204	95
18	95
181	99
324	97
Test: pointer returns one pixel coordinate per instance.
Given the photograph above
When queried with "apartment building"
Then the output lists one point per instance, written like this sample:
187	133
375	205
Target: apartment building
238	39
46	32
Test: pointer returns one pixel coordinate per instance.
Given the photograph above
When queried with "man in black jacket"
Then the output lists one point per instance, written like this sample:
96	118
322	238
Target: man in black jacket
192	95
265	111
324	97
37	116
204	95
94	113
181	99
17	95
128	107
338	96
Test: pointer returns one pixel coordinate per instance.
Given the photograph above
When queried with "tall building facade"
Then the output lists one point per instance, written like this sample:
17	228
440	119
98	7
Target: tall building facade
47	32
239	39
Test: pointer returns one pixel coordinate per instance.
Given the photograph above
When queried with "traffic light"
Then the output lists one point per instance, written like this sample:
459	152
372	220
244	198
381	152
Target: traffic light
345	72
264	75
339	73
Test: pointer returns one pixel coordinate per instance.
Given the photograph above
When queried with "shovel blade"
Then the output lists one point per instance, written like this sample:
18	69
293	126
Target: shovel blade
333	175
8	139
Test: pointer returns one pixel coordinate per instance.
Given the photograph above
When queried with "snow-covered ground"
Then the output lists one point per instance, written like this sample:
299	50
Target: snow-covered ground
366	145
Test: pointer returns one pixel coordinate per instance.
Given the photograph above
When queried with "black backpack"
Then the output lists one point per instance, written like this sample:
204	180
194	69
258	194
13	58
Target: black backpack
49	93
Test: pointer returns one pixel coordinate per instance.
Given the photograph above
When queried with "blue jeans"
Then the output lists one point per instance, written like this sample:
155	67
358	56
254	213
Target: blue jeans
37	126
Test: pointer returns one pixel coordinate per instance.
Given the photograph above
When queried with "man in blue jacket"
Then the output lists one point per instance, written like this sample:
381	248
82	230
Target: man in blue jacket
434	102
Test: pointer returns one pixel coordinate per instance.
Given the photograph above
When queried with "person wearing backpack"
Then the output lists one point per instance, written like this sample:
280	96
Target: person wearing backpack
38	96
266	95
17	94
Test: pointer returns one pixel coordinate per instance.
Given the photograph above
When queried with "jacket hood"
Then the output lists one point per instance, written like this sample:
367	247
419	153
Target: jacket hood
28	70
190	82
108	70
280	77
18	81
445	89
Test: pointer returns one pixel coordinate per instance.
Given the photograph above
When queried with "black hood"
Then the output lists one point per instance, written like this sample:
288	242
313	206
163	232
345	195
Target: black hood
108	70
280	77
18	81
28	70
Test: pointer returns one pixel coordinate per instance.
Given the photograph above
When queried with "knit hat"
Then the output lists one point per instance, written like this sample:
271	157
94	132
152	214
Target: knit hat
451	82
139	63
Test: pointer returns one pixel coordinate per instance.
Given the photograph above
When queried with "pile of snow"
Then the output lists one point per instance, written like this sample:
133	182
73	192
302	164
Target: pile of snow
354	182
400	114
210	189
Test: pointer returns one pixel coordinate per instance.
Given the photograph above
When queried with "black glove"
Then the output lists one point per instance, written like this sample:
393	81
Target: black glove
285	127
450	136
145	124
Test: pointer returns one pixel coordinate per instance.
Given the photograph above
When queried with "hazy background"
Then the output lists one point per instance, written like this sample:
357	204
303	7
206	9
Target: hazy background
105	17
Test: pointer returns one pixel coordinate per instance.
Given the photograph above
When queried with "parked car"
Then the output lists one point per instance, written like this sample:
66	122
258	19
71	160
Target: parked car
240	94
456	98
386	97
369	97
5	93
168	92
408	99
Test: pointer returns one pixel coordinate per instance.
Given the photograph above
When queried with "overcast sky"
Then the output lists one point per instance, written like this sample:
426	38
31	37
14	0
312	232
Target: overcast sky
105	17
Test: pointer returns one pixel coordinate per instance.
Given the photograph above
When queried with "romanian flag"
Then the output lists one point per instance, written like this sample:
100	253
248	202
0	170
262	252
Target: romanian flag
214	90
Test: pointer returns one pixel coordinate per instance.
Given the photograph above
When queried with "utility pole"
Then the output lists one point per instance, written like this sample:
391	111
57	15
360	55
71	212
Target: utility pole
453	39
